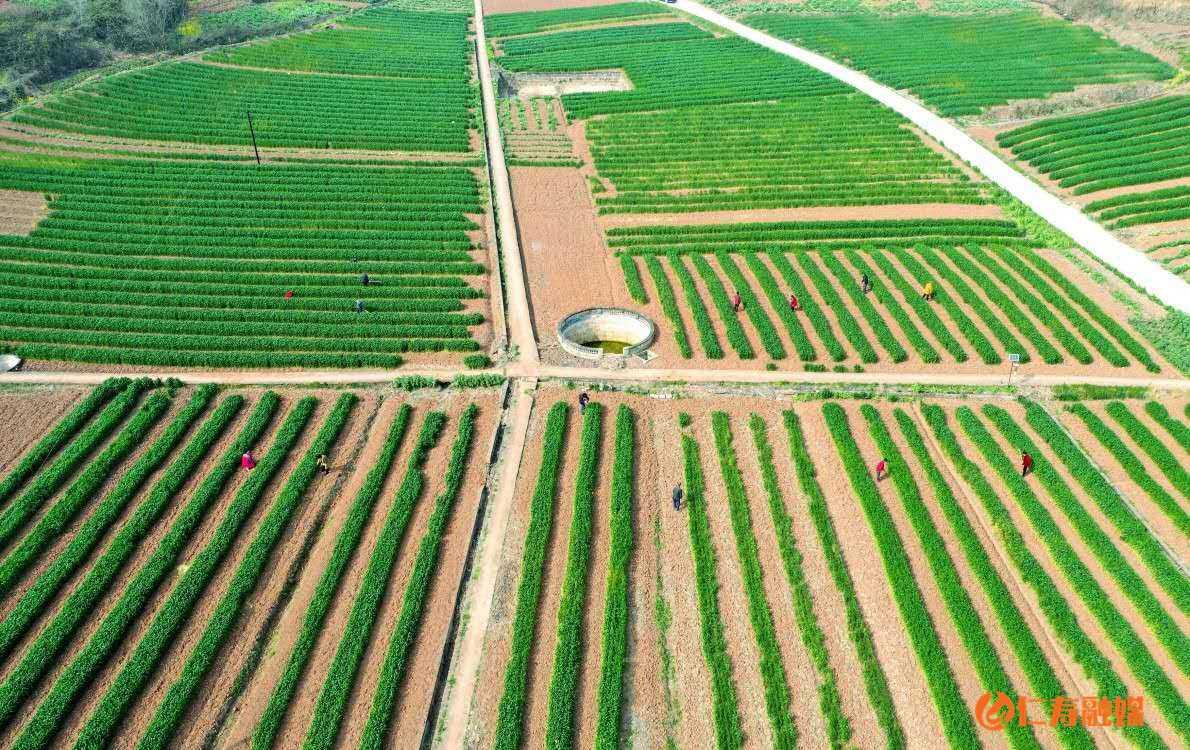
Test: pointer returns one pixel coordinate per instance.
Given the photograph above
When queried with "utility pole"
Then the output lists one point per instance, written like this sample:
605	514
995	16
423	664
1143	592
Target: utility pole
252	130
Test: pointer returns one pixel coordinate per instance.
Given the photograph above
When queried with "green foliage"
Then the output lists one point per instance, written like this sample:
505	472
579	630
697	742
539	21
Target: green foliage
260	17
87	483
772	668
1097	541
396	660
724	703
779	303
509	726
340	679
961	64
669	305
837	725
414	383
63	431
769	338
983	347
477	361
1177	430
22	507
1173	469
568	650
817	318
187	263
1133	144
955	715
1170	335
875	681
181	693
883	333
831	298
727	314
481	380
1087	392
702	320
1037	669
1054	607
510	24
183	597
1148	673
614	643
346	543
636	287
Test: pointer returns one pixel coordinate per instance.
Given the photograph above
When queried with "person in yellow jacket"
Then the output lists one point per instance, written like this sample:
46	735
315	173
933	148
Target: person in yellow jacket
927	291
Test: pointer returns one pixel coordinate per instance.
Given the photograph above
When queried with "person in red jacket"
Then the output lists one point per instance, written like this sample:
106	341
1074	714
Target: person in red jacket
248	461
737	303
881	469
793	304
1026	463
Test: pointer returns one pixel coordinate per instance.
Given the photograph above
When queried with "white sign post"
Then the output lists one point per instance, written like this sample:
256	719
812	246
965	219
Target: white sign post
1014	361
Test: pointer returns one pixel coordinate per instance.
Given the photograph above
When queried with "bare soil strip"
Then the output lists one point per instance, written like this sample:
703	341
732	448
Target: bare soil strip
26	415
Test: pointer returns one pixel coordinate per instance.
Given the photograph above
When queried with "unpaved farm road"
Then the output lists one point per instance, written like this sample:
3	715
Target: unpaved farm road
1163	284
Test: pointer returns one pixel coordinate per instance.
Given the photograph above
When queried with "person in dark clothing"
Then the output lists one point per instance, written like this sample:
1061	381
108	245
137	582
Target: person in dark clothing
583	399
1026	463
865	284
677	497
359	305
365	280
321	464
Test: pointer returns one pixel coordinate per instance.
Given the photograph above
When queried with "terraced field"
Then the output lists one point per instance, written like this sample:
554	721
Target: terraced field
145	569
759	616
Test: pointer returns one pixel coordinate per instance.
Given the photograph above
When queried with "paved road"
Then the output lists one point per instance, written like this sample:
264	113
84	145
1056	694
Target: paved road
1158	281
520	325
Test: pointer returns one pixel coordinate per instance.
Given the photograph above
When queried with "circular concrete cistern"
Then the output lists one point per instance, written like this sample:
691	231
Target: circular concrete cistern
606	331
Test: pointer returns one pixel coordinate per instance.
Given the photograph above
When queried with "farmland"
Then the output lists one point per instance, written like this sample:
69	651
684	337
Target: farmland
758	614
144	569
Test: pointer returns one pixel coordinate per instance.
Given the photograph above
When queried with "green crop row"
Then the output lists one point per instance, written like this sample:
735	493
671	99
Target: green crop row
344	669
511	24
772	668
161	563
727	315
780	305
925	311
1165	572
1029	655
817	318
86	484
1119	631
396	660
769	338
568	650
982	345
669	305
510	723
837	726
998	297
831	299
1176	430
880	329
702	320
64	430
175	611
47	483
1054	607
956	717
636	287
1173	469
614	642
724	701
875	681
181	693
328	584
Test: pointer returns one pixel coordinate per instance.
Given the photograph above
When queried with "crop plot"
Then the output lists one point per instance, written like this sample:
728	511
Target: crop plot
729	641
140	591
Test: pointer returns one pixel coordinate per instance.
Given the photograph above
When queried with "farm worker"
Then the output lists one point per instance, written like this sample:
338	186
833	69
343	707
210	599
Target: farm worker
364	279
865	284
1026	463
793	304
288	294
248	461
583	398
359	305
321	464
881	469
927	291
737	303
677	497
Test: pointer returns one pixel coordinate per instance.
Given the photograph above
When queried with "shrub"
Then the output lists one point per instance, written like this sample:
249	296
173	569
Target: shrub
477	361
